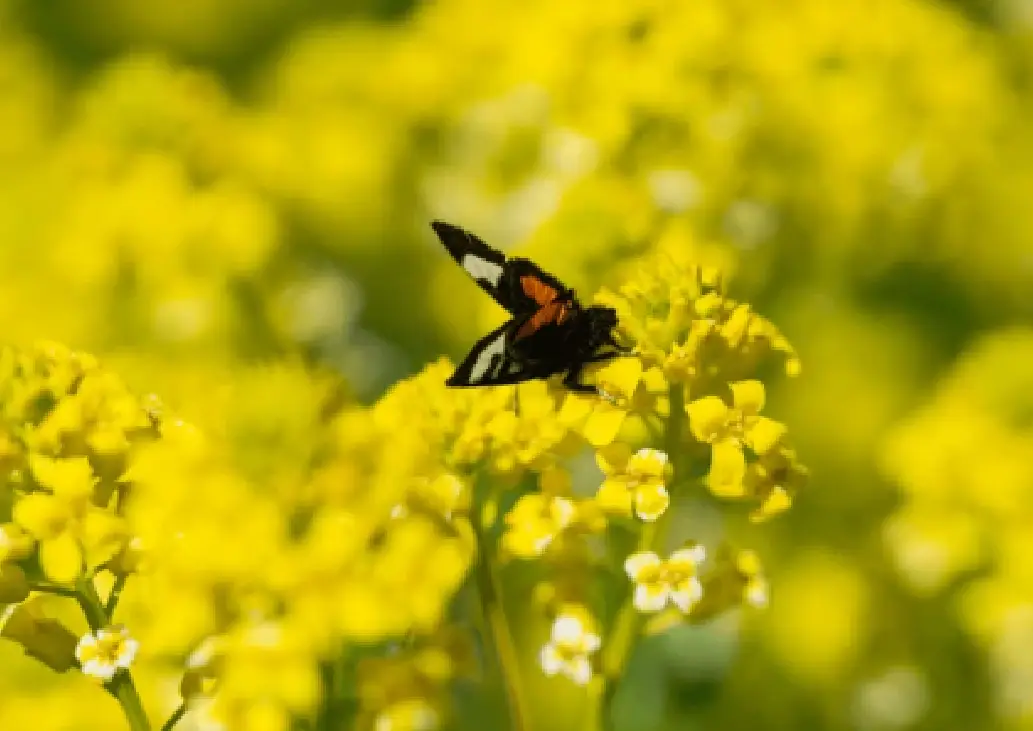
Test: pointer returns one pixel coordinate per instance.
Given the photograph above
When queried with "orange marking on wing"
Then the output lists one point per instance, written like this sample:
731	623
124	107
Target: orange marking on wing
537	290
553	312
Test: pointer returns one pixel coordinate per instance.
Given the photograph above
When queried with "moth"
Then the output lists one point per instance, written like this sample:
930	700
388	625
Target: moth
549	331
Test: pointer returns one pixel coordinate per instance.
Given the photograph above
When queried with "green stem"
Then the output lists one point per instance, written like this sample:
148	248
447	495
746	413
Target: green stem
121	686
489	589
92	607
46	586
124	690
175	717
618	646
115	595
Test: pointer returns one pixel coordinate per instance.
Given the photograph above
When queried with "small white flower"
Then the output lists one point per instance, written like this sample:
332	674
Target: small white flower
103	654
569	649
658	582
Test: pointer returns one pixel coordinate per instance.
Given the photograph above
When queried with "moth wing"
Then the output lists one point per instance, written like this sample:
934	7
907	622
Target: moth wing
485	265
549	315
518	285
536	286
489	362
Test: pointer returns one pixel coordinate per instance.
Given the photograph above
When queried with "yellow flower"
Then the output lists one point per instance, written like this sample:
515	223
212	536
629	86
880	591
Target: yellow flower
658	582
632	403
600	419
774	480
572	643
534	522
68	526
445	494
633	482
733	578
104	653
417	569
729	429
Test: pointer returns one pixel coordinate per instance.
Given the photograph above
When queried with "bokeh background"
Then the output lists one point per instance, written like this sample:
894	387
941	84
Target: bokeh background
210	194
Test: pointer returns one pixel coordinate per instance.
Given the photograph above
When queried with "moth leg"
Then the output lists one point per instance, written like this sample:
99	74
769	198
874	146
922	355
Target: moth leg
573	381
625	349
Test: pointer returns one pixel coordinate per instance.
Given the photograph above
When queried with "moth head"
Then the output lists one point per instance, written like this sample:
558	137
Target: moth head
602	319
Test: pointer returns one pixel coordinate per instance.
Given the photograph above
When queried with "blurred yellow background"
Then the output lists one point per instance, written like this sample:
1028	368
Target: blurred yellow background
208	193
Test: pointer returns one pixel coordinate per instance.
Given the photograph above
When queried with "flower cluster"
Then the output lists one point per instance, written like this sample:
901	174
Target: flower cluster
69	430
252	577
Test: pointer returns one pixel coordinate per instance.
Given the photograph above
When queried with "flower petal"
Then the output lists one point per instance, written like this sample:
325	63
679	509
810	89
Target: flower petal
576	408
650	598
777	501
694	555
562	512
550	660
99	669
70	478
727	469
654	381
748	563
651	501
734	328
637	562
648	462
567	630
764	434
40	515
603	424
579	669
127	652
86	642
707	418
687	593
103	536
613	496
748	396
61	558
620	376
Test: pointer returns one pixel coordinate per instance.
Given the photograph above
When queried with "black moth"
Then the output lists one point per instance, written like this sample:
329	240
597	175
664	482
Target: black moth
550	331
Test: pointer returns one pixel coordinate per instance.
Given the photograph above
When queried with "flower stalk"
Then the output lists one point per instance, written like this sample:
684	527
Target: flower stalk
618	646
121	686
490	593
